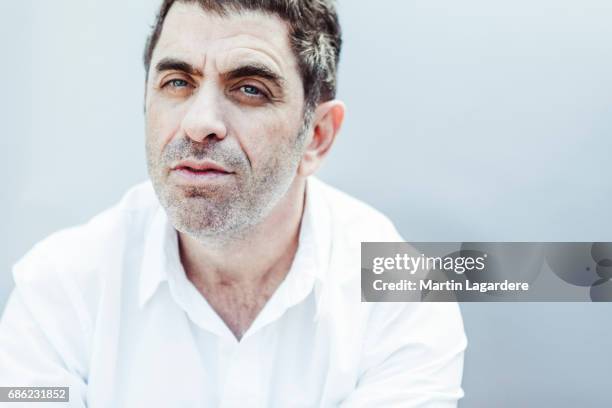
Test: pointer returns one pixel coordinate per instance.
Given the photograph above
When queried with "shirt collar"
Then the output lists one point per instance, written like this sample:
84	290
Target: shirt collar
317	223
312	258
159	240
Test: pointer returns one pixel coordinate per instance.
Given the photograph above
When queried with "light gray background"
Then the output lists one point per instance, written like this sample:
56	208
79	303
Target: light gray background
467	120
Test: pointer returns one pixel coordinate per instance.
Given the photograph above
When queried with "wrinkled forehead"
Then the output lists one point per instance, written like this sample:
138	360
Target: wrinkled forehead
206	39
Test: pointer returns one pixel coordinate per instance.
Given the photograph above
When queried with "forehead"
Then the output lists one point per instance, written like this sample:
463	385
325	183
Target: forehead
203	38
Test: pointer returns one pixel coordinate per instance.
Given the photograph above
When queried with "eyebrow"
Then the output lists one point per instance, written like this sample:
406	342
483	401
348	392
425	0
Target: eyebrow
255	70
248	70
173	64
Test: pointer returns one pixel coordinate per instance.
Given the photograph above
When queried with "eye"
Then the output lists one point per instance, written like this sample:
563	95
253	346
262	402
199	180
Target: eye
178	87
177	83
252	91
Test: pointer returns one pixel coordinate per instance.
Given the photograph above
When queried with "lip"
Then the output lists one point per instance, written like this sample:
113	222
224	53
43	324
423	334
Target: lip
204	166
193	172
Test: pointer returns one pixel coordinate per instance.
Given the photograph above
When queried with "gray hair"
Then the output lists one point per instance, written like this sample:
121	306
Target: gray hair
314	31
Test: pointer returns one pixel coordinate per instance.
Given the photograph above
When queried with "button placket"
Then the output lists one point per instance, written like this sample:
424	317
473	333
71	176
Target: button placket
242	378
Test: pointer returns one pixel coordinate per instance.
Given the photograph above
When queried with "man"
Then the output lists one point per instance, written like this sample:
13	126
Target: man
232	279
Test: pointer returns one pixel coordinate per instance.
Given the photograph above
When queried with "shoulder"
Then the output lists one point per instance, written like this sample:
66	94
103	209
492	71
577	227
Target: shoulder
348	222
87	242
75	262
353	219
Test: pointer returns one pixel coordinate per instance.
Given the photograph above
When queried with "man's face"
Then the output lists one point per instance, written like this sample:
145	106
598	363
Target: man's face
224	119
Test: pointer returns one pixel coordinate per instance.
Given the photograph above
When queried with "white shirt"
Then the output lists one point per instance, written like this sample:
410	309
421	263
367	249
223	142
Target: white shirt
106	309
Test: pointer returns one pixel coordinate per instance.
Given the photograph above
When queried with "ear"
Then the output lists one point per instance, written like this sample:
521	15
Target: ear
328	118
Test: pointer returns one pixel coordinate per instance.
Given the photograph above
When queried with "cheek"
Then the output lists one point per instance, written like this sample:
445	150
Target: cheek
162	124
264	135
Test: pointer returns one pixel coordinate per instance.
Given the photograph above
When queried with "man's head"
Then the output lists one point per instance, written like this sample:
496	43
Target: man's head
314	35
239	105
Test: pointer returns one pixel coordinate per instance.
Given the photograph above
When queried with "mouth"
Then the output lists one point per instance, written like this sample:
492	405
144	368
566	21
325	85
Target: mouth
198	172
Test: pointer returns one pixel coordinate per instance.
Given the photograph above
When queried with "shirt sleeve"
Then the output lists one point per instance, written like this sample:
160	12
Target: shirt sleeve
41	335
412	357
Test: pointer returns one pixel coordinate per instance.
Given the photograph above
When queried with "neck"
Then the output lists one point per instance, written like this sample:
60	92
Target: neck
259	255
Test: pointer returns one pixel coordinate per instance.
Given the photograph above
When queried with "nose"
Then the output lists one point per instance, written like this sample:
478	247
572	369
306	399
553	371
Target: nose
205	116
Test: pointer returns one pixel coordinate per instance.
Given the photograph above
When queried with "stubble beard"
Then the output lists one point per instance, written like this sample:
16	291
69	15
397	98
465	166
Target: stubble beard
216	215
